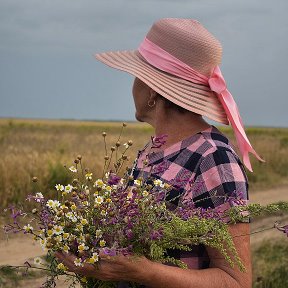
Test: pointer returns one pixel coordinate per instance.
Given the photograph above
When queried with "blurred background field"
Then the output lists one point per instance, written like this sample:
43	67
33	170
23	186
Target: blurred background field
42	147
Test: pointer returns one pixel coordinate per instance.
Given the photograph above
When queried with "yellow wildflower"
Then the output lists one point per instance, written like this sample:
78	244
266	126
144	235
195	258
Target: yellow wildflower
62	267
98	183
84	222
88	176
145	193
65	236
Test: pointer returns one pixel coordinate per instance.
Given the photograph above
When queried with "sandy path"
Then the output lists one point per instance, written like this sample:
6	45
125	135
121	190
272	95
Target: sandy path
20	249
269	196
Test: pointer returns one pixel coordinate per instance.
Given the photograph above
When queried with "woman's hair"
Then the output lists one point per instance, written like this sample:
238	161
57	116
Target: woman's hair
171	105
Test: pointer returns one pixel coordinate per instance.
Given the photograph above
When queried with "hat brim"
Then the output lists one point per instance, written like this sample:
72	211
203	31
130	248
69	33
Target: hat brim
191	96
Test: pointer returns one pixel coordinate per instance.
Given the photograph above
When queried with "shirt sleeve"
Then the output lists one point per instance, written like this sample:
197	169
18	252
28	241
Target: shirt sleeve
219	178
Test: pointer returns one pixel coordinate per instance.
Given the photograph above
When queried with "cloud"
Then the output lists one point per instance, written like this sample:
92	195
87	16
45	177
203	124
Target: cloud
55	40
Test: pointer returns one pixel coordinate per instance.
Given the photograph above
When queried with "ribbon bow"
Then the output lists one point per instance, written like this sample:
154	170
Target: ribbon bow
218	85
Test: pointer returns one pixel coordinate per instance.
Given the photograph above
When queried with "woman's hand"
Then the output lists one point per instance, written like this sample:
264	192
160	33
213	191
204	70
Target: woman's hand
110	268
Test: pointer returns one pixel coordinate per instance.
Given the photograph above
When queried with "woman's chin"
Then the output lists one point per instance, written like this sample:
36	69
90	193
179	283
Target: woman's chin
138	117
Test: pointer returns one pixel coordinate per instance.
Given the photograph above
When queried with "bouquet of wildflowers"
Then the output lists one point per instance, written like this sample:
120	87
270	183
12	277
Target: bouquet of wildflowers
121	215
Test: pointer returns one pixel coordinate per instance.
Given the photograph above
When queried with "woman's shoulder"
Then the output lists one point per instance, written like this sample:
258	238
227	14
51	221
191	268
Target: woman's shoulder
212	140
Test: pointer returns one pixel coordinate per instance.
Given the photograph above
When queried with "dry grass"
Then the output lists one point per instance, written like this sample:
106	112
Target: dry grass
41	147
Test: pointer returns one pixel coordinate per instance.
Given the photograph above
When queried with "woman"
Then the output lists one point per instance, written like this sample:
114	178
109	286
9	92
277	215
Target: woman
177	82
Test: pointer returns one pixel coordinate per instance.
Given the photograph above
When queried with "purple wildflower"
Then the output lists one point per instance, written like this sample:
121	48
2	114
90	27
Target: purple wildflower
9	228
108	251
284	228
37	198
45	217
15	213
113	179
129	234
126	251
156	235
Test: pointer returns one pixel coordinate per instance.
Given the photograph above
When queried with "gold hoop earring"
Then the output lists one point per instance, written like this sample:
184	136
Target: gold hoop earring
151	103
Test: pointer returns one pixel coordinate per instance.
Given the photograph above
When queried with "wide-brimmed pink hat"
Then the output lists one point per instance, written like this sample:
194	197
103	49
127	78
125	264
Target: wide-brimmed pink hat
179	59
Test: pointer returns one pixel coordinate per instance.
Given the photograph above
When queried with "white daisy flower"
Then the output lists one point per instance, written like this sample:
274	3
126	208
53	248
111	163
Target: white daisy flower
43	243
98	183
93	259
69	215
103	213
74	219
78	262
58	239
95	256
38	261
159	183
99	200
137	182
102	243
57	230
98	233
57	203
59	187
73	169
28	228
39	196
53	204
82	247
50	203
88	176
68	188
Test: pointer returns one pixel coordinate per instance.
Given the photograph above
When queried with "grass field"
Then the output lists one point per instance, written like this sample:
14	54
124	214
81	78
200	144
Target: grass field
41	147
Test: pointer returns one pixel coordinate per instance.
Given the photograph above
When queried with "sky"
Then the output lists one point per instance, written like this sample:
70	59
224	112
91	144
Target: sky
47	67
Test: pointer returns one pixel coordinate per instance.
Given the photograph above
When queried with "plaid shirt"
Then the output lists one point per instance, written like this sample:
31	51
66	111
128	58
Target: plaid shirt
202	168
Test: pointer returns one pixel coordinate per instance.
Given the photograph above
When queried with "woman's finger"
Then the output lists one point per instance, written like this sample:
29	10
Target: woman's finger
67	259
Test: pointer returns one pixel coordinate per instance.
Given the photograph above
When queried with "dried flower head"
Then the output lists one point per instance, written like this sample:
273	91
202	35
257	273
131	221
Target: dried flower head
113	148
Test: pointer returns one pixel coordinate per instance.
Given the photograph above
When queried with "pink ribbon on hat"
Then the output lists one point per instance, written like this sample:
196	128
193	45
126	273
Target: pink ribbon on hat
164	61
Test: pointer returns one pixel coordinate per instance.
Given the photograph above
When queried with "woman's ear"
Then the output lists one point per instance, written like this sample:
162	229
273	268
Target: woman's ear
153	94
